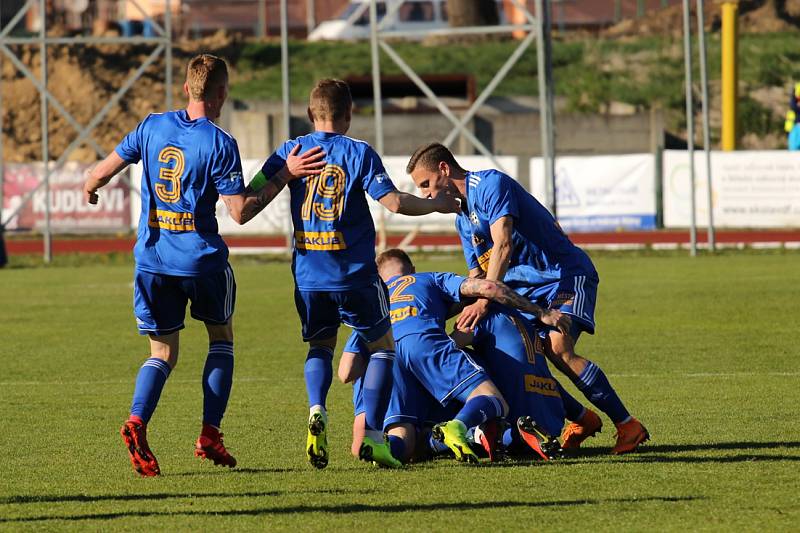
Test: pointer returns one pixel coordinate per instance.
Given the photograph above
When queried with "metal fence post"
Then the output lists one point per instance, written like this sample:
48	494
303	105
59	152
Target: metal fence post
687	53
701	36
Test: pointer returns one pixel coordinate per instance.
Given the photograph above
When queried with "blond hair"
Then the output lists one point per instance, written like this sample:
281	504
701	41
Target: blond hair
204	75
330	100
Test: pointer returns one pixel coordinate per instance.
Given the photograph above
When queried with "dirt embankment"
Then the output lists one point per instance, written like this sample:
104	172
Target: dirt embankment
83	79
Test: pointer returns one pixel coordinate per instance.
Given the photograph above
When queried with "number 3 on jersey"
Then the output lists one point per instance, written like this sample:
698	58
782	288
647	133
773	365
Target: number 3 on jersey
325	194
170	192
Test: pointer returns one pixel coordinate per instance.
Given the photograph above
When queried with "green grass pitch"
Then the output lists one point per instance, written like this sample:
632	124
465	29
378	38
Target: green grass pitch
704	351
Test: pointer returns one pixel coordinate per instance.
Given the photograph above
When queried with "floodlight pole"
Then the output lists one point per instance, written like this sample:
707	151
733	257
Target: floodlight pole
701	36
168	54
377	98
687	53
545	77
48	245
287	102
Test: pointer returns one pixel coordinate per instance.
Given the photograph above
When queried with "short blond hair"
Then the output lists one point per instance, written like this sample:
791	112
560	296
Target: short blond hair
330	100
204	75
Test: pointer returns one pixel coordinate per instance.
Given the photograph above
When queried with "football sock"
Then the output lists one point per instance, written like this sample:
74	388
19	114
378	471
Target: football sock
511	439
593	383
319	373
573	409
479	409
217	381
398	447
149	384
378	388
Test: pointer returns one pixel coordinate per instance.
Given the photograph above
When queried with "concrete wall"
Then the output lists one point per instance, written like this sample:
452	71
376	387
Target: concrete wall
258	127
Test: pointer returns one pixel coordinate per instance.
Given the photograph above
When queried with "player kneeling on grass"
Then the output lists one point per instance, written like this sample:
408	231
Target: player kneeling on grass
432	371
334	262
188	163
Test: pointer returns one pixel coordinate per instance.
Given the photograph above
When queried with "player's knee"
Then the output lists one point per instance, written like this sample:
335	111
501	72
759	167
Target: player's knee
220	332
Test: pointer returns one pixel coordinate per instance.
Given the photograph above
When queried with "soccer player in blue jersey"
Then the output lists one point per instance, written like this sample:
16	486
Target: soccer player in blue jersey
515	239
188	163
334	262
433	370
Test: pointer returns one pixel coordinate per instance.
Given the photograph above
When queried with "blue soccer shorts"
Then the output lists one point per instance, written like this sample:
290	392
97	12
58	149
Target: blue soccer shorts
365	310
159	300
573	295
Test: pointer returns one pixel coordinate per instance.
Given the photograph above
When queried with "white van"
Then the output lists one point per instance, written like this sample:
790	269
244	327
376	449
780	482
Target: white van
412	15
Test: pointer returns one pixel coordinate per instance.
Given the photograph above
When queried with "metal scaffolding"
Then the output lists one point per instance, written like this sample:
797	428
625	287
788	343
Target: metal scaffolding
379	38
163	44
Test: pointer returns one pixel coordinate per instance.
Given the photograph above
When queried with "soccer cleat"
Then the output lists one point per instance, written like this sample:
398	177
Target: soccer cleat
630	434
575	433
317	440
489	436
379	454
210	446
453	434
134	433
537	439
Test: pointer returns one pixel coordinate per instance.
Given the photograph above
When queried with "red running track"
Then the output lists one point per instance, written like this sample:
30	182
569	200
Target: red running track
104	245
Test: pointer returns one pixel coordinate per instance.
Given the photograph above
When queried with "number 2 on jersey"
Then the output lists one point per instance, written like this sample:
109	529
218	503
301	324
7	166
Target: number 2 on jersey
329	185
170	192
398	287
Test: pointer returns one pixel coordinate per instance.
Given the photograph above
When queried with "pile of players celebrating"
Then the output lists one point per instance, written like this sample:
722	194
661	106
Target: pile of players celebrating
482	390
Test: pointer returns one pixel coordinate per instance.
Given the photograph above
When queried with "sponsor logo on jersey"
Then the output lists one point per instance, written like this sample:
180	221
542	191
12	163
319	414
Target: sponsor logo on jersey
162	219
476	240
483	259
540	385
396	315
473	217
379	177
319	240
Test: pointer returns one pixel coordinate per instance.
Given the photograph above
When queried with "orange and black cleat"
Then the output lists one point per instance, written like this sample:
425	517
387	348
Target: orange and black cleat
630	435
537	439
575	433
209	446
134	433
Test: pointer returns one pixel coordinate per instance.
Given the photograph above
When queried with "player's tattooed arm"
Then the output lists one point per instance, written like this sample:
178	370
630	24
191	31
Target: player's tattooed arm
502	236
410	205
499	292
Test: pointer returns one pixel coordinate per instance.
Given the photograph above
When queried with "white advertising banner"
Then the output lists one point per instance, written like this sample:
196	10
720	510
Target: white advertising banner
276	218
752	189
600	193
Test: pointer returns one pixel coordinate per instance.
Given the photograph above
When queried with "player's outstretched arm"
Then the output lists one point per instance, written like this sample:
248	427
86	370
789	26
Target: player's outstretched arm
499	292
99	175
408	204
261	191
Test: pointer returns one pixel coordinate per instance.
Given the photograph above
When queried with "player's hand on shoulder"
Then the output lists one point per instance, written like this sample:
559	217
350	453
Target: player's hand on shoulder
472	315
308	163
556	319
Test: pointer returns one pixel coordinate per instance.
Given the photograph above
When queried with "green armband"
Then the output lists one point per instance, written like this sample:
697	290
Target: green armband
258	182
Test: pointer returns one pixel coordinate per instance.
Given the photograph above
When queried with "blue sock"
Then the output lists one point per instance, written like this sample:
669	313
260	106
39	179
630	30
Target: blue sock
319	373
573	409
378	388
217	381
593	383
480	409
149	384
435	446
398	447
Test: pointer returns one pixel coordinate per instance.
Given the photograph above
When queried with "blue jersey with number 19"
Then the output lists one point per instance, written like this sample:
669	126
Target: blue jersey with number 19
334	236
186	165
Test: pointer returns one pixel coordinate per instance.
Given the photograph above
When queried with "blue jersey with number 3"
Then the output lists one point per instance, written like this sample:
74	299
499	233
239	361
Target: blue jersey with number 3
334	236
186	165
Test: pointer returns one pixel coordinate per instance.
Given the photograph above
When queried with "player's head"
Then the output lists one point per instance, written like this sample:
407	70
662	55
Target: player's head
330	102
433	168
394	262
207	82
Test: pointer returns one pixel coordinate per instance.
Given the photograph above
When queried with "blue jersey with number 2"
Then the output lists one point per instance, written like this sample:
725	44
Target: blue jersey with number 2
419	303
186	165
334	236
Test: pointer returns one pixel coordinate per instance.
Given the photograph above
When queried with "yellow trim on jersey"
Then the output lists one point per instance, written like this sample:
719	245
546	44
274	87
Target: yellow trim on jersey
319	240
483	260
162	219
396	315
540	385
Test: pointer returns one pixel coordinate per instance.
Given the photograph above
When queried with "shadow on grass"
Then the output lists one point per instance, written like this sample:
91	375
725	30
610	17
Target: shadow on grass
162	496
359	508
647	449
